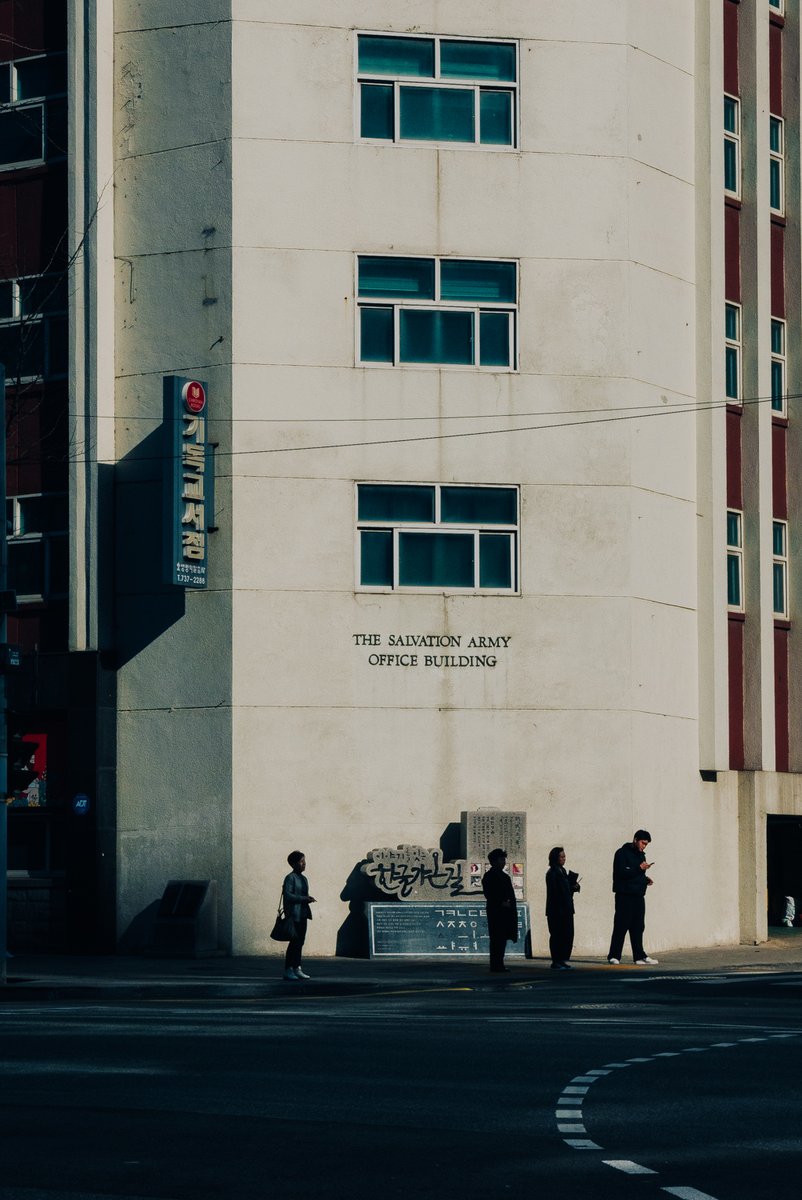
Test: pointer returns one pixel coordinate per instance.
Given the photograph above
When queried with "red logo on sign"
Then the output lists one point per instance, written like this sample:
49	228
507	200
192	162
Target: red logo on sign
194	396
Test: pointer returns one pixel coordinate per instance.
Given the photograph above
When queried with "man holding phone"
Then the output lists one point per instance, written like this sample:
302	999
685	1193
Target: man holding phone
630	882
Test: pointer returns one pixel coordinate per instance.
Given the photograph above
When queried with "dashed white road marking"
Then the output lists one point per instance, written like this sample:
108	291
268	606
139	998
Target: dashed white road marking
688	1193
568	1114
575	1091
640	1060
628	1166
676	1053
581	1144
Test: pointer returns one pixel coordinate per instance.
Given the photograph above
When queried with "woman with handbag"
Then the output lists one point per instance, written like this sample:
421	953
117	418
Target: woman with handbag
296	899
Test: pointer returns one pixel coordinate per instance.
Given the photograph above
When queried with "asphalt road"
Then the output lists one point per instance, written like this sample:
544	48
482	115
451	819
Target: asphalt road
599	1085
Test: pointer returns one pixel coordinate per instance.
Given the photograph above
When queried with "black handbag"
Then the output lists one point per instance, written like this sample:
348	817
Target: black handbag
284	928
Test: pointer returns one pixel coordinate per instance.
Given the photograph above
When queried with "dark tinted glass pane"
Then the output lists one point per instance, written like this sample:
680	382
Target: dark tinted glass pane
777	386
435	560
395	502
494	339
731	322
731	373
43	294
495	118
730	115
733	529
376	335
495	560
481	282
22	350
437	114
33	79
777	337
26	568
6	299
730	166
477	60
733	580
775	138
376	120
779	589
778	538
405	278
376	557
396	56
775	199
433	336
479	506
5	83
21	134
42	514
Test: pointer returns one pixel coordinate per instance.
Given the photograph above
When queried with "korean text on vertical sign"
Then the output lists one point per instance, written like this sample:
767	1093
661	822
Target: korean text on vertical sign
188	483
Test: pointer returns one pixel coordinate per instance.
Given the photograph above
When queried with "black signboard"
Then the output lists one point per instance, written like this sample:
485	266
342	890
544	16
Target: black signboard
437	930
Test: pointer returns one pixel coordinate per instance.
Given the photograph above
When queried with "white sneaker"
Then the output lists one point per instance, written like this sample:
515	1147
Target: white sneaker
646	962
301	974
290	973
614	962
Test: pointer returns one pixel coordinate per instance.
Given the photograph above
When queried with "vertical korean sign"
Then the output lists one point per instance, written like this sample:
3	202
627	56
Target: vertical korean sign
188	483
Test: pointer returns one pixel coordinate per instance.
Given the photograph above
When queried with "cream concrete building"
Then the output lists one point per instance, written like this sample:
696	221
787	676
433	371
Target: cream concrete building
454	274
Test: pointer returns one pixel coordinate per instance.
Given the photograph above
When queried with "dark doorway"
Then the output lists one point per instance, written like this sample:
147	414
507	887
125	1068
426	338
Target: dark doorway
784	863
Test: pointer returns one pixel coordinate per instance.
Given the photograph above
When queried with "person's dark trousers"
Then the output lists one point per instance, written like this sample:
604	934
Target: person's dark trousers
630	918
561	939
295	946
497	928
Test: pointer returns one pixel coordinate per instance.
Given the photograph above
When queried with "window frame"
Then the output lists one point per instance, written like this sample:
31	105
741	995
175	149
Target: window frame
438	81
779	360
44	317
17	537
15	103
436	525
779	567
734	347
735	553
733	137
777	165
477	308
778	6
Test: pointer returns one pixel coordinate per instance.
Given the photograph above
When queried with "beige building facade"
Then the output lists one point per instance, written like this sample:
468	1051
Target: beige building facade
454	275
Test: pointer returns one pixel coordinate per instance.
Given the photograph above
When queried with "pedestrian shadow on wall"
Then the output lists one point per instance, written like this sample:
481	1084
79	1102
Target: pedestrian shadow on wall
352	936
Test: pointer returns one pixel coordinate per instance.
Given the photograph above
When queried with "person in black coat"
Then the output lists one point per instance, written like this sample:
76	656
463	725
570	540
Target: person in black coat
502	910
560	888
630	882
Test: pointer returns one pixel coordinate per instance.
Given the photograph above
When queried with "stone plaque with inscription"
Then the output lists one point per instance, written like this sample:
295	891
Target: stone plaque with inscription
484	830
445	930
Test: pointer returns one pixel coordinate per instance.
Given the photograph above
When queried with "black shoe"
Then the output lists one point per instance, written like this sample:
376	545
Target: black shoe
557	966
499	970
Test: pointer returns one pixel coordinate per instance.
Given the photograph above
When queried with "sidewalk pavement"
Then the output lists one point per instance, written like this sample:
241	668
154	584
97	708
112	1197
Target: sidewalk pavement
115	978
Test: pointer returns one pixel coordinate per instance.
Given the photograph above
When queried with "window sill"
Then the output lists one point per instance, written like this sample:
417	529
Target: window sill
779	420
734	407
778	218
734	614
782	623
732	201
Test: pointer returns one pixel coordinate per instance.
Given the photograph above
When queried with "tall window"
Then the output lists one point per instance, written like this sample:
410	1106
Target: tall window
735	561
33	326
778	388
732	352
452	537
780	568
732	145
437	311
777	164
33	110
436	89
37	546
